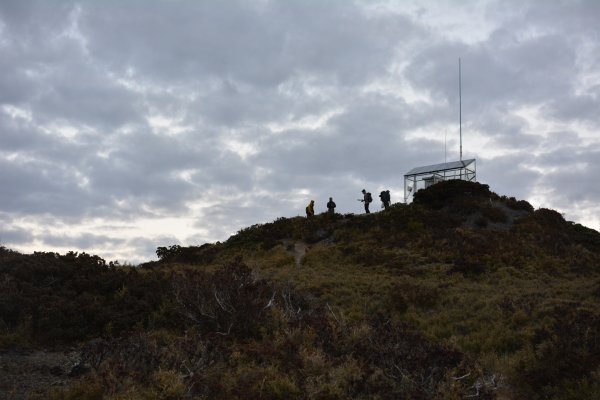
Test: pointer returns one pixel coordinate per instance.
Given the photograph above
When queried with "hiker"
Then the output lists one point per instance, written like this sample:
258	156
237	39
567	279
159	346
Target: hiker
310	209
385	199
367	199
331	206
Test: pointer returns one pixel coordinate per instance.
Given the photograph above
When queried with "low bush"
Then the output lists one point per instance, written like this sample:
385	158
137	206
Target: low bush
566	350
519	205
494	214
72	297
420	295
452	193
245	338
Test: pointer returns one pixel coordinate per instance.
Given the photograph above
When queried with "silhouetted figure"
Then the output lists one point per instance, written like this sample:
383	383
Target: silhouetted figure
385	198
367	199
310	209
331	206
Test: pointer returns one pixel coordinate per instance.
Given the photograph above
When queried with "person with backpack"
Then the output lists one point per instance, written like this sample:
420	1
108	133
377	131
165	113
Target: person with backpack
367	199
331	206
310	209
385	199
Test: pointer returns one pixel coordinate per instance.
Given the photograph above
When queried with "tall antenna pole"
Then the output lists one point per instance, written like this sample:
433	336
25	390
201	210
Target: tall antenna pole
460	107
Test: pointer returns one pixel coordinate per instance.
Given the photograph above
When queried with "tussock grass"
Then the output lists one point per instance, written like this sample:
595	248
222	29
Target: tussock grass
461	281
497	291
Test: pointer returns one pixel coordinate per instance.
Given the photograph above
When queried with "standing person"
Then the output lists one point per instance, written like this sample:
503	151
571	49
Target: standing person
385	198
367	199
310	209
331	206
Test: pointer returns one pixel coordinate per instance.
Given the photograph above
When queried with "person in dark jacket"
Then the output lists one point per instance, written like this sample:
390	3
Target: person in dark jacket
385	198
331	206
367	199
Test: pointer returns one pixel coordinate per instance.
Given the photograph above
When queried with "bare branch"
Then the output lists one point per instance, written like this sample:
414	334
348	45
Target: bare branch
461	377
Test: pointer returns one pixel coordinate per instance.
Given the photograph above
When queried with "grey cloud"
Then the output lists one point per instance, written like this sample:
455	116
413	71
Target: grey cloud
14	237
574	180
259	44
507	175
519	73
560	148
232	105
83	241
19	136
38	188
228	72
575	107
25	17
14	86
572	18
496	120
367	139
77	96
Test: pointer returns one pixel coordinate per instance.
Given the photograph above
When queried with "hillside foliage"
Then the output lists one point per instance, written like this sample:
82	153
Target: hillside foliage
461	293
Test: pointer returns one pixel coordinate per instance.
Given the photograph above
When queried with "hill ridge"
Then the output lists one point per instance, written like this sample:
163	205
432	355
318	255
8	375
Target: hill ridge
461	293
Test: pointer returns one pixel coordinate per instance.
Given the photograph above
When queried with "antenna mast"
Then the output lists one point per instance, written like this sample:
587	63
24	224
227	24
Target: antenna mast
460	107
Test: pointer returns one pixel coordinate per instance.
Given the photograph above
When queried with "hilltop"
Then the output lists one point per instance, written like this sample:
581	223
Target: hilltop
462	293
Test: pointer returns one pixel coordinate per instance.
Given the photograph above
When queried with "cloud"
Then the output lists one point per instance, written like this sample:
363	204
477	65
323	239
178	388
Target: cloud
14	235
130	125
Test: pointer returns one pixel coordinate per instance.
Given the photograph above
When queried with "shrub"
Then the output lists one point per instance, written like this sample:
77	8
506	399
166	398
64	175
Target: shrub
169	384
566	351
275	346
230	301
468	265
72	297
589	238
84	390
453	192
481	222
494	214
549	218
418	294
515	204
164	253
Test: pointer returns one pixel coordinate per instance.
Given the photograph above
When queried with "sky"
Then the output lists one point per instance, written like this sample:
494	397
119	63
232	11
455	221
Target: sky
131	124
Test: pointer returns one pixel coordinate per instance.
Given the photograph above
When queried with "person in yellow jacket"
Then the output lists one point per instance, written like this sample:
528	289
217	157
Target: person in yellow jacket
310	209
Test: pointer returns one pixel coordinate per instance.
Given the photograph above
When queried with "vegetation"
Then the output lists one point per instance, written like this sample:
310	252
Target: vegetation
461	293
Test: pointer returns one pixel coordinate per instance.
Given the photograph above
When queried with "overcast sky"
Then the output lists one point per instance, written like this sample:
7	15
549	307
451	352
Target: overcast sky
131	124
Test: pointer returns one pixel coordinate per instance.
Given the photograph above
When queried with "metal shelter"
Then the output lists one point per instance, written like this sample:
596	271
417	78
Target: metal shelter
423	177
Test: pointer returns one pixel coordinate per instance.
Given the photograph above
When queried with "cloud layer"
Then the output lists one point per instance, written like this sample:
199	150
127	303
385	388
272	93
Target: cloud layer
130	125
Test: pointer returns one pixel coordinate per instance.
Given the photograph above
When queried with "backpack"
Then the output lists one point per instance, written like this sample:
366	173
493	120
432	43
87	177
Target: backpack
369	197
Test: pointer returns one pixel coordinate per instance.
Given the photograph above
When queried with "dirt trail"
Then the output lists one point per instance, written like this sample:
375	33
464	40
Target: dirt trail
26	374
297	248
300	249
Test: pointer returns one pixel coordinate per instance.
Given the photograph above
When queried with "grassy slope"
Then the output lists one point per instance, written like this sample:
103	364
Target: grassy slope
521	297
517	290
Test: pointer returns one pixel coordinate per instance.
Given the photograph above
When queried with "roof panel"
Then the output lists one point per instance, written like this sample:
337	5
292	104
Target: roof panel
440	167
